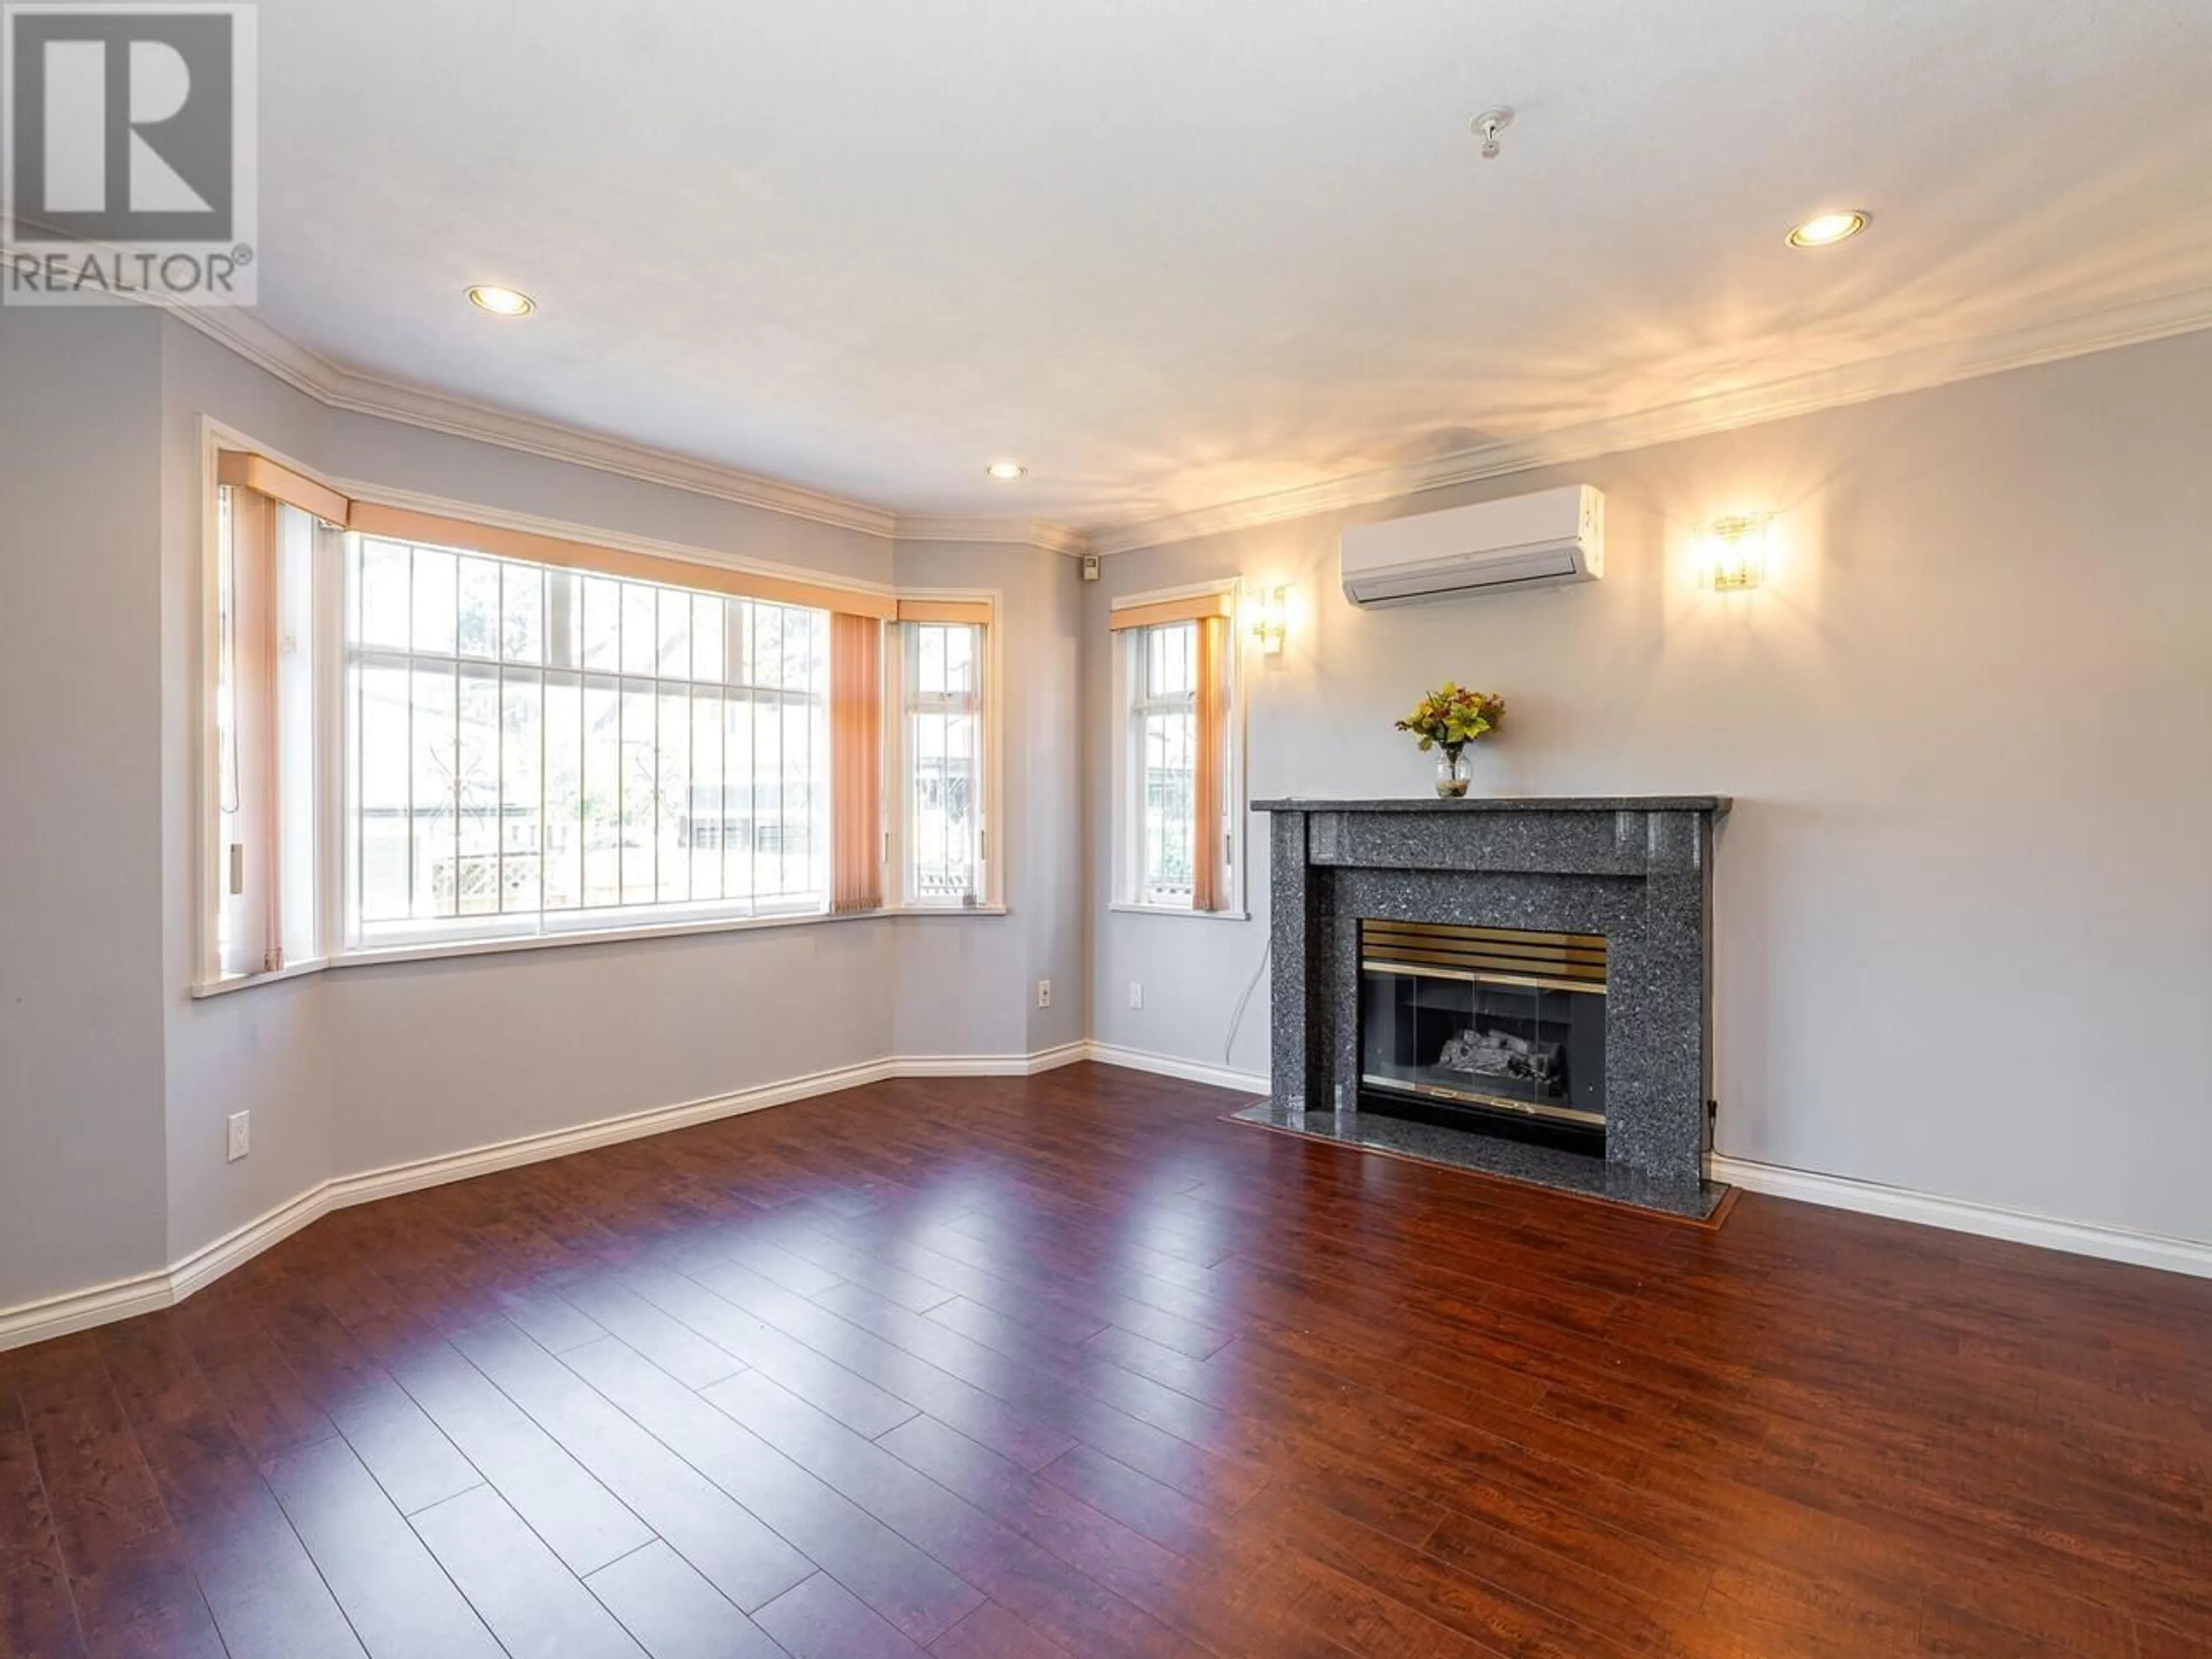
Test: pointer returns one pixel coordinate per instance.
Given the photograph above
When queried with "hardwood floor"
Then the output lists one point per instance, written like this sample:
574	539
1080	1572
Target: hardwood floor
1022	1369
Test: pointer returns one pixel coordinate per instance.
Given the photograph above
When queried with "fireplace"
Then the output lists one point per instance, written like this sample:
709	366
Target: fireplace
1496	1028
1517	986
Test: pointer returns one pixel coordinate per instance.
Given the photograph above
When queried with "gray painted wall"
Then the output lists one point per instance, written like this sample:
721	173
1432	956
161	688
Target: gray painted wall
973	981
116	1081
264	1051
82	1181
1964	910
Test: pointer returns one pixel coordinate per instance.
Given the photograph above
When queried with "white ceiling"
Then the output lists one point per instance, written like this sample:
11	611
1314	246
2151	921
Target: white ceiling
1173	254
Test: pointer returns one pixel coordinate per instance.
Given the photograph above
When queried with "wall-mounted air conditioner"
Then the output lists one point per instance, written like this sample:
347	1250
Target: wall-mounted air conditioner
1525	541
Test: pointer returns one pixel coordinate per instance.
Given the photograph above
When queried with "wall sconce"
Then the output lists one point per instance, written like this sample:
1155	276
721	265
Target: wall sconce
1270	620
1737	555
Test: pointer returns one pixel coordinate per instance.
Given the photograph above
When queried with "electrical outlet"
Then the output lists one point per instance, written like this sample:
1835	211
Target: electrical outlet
1044	993
240	1141
1136	995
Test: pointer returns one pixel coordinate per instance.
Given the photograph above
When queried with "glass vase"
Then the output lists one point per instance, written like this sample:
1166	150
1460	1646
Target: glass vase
1453	773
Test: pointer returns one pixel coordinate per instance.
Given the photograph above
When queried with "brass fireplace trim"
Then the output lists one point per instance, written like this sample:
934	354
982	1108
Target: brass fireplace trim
1476	1098
1503	955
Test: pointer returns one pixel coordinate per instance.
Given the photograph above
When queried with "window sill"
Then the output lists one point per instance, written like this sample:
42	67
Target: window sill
480	947
1124	908
225	986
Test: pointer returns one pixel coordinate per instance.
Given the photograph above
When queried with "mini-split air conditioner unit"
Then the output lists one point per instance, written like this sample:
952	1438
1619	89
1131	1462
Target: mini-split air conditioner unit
1525	541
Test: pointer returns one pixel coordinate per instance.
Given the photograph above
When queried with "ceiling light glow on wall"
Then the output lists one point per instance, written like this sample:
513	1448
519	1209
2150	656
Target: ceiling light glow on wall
1270	610
1006	471
500	301
1826	229
1737	552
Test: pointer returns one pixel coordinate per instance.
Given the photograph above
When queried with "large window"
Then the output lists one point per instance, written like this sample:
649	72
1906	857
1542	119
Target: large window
942	750
1176	841
531	748
423	733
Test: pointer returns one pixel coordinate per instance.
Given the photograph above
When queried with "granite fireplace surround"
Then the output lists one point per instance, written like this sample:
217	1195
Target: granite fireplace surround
1636	869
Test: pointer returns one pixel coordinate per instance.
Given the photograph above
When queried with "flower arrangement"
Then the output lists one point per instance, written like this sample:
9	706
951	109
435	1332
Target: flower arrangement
1450	718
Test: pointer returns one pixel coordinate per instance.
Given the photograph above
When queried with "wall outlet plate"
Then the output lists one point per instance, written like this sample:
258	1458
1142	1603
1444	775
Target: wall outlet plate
1044	993
239	1140
1136	995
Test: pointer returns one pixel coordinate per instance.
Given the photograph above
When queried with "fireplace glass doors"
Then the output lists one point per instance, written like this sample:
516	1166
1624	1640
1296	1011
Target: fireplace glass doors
1488	1023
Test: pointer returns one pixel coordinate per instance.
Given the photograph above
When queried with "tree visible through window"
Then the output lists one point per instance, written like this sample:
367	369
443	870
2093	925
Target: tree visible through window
532	748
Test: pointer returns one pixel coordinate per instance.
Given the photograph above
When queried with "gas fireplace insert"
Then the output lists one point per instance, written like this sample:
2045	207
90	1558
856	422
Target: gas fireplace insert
1492	1027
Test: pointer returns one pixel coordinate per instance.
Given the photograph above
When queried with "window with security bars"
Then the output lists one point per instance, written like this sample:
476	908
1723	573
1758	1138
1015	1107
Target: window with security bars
1163	719
536	748
943	749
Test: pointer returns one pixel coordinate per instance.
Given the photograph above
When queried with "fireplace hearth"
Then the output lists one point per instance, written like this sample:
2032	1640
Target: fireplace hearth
1519	987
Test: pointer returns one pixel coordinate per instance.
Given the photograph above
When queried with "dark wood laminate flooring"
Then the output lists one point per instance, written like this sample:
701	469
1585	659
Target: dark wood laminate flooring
1023	1369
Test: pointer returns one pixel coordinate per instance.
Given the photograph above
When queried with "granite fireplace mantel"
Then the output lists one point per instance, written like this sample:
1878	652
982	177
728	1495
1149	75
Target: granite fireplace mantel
1635	869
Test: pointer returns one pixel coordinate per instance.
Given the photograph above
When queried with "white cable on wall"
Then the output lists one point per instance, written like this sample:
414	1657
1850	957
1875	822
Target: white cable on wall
1266	952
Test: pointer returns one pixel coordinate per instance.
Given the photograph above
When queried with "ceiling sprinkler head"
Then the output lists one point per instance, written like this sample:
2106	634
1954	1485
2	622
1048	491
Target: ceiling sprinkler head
1487	125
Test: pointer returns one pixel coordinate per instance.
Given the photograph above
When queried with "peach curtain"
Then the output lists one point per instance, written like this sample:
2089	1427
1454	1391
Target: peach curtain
272	745
1209	853
974	612
404	523
257	934
1195	607
856	750
243	470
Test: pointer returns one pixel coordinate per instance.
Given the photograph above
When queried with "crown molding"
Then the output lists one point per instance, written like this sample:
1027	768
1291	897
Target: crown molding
367	394
238	329
1015	532
1918	370
243	332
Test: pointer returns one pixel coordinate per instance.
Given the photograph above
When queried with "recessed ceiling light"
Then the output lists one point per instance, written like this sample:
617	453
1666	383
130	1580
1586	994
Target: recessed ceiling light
1826	230
501	301
1006	471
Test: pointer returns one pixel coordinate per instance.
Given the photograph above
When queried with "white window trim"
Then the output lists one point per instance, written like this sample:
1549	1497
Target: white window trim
992	900
1132	908
1127	833
329	857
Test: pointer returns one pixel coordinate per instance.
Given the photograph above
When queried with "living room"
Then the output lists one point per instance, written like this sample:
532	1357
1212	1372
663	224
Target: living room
1190	831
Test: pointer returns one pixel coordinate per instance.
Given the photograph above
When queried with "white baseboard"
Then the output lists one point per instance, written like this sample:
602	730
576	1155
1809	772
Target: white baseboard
78	1310
235	1249
2180	1255
1045	1060
1191	1071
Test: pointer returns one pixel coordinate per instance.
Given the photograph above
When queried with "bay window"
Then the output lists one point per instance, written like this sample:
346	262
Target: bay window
423	732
